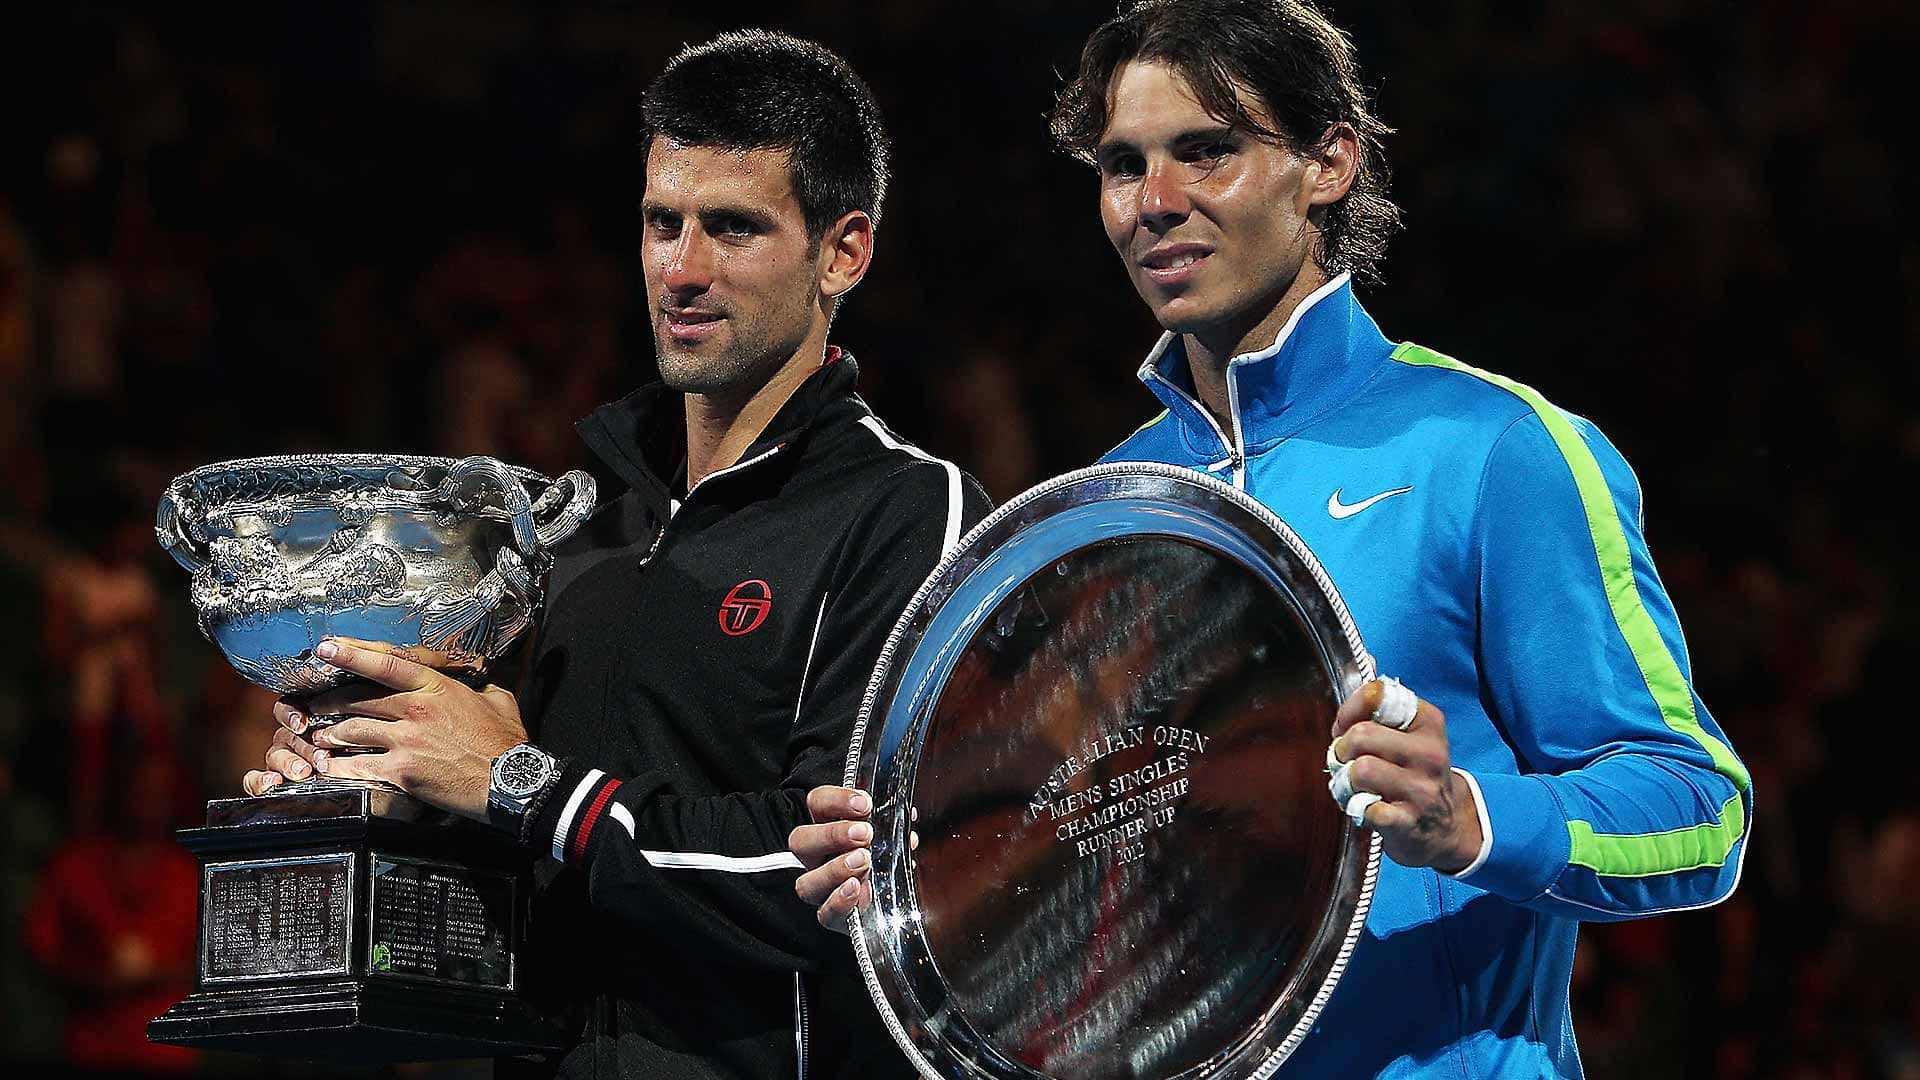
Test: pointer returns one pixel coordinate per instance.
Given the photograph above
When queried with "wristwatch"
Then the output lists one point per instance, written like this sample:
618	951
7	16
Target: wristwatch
521	776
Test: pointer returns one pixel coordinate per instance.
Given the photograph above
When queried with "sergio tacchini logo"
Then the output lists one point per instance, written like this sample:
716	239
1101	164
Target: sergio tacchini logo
1346	510
745	607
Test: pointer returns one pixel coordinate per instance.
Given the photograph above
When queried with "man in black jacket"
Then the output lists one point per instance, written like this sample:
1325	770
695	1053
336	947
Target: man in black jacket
710	631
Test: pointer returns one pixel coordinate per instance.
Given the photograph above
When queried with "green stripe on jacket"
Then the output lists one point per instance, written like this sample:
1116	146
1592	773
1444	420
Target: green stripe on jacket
1644	854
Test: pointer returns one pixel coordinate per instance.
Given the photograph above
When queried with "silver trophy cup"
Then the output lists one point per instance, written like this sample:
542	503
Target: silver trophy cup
433	554
344	919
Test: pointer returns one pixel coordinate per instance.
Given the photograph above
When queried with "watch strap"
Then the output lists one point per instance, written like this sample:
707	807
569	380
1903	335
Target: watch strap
538	801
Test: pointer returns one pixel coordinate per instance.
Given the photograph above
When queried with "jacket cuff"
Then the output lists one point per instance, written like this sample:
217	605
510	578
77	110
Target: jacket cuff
1527	845
566	817
1486	826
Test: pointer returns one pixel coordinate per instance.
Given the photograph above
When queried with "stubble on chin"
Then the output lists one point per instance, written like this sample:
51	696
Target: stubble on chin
712	370
690	374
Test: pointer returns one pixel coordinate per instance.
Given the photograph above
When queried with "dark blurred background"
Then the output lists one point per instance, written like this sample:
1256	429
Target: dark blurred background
410	226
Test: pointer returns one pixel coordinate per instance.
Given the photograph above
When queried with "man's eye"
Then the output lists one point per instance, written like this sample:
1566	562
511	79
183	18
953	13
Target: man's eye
734	227
1207	153
663	222
1127	165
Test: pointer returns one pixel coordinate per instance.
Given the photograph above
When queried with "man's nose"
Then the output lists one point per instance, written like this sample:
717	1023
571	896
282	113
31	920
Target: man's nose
1164	199
689	266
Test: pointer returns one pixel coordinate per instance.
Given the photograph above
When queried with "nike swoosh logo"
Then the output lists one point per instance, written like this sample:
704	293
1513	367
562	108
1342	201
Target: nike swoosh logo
1346	510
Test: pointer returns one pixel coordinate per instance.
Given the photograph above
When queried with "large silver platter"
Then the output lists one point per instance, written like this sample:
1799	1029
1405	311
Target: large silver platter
1106	714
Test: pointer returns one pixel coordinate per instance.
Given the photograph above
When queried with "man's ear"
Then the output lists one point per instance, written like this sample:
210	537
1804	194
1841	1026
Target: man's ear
1332	166
846	250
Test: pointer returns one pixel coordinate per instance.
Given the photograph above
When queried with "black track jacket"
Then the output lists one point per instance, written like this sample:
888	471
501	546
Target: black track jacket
701	665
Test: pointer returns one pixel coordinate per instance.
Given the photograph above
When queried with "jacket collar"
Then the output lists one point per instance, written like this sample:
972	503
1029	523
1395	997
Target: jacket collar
641	438
1328	348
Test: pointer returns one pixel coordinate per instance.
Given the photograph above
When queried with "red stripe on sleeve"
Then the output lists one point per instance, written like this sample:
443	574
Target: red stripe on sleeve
577	849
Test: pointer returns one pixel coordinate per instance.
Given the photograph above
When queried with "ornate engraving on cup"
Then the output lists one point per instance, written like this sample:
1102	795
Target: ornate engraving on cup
436	553
1105	716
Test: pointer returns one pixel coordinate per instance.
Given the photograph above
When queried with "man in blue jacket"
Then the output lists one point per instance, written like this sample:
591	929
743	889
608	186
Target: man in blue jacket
1557	764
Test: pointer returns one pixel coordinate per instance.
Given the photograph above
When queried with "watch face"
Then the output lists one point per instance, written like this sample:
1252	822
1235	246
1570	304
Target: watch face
521	771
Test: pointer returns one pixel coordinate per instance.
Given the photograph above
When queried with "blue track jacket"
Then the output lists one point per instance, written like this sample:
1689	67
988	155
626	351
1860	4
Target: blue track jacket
1490	548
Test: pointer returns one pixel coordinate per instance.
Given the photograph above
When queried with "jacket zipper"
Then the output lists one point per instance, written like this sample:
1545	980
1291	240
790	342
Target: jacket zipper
676	505
1235	458
800	1023
733	468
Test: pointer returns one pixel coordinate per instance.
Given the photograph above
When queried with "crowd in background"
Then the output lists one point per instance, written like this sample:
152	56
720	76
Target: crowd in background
411	227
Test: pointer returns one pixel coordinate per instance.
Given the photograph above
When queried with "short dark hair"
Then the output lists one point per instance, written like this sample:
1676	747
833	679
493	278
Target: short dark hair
764	90
1298	65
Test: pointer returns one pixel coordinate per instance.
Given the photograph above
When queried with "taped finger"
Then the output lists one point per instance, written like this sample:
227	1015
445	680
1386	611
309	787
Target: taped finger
1340	785
1359	804
1398	705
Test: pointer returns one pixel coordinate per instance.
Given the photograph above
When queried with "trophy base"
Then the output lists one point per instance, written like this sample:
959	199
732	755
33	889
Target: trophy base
357	1022
350	922
233	811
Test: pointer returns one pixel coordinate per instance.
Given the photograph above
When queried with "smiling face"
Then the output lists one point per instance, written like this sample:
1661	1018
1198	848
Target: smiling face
1211	223
733	280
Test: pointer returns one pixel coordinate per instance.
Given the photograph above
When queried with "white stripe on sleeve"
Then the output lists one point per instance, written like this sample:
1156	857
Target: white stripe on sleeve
571	808
624	816
731	864
699	860
872	423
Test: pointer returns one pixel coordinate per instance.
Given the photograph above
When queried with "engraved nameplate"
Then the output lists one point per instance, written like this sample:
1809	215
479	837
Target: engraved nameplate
440	922
272	918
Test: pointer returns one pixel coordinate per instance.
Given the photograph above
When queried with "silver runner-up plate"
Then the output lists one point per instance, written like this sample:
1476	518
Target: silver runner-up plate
1106	715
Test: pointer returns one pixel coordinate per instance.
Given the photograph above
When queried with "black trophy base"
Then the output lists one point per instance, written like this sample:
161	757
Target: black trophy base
356	1022
351	923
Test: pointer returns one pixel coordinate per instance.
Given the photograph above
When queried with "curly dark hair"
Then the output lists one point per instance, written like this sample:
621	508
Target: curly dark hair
1303	80
764	90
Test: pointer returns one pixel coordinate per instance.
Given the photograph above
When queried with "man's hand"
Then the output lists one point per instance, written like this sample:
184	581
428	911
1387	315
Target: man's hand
834	851
289	757
1426	814
428	734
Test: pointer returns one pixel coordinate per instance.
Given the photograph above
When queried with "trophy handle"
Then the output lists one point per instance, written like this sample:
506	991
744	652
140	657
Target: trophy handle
169	526
513	494
470	624
578	505
533	539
